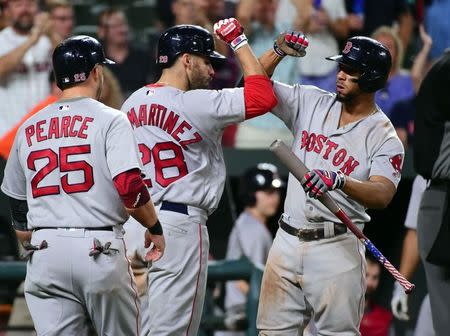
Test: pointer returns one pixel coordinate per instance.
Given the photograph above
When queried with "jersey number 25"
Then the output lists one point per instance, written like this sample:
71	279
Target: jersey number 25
65	166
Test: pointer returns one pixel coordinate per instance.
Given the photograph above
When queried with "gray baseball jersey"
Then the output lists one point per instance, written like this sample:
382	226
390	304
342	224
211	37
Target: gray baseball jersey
249	238
63	161
418	187
361	149
179	135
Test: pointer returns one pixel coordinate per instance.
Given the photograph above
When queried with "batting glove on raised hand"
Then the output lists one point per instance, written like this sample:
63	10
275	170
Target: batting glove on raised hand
291	43
399	303
318	181
231	32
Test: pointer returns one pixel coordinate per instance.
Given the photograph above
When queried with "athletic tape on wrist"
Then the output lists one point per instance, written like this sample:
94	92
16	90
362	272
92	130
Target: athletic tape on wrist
156	229
238	42
277	50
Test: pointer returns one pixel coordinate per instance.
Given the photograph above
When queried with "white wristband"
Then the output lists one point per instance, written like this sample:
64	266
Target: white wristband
238	42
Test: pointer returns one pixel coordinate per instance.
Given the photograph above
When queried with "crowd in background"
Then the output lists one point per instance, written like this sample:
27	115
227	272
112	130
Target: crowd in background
416	32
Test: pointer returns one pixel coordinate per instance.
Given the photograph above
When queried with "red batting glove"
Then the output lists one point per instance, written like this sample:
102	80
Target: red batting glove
231	32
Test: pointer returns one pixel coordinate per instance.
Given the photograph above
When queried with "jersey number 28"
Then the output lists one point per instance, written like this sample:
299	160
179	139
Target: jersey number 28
65	166
177	161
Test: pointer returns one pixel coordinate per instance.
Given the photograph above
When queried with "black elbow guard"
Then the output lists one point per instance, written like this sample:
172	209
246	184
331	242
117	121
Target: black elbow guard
19	210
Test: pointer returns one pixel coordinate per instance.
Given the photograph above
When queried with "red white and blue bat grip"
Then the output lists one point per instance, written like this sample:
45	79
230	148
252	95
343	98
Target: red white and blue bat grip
297	168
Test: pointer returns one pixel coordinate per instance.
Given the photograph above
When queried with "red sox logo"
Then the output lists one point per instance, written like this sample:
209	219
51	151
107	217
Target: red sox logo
347	48
396	162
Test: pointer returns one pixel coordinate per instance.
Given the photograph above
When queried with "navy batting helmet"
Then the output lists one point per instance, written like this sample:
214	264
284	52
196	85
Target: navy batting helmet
74	59
186	39
370	57
264	176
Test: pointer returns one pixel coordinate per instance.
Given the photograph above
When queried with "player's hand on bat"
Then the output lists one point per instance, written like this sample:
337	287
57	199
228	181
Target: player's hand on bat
292	43
231	32
399	303
157	243
317	181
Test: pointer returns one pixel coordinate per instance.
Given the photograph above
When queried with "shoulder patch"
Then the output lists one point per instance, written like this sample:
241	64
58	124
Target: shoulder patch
397	163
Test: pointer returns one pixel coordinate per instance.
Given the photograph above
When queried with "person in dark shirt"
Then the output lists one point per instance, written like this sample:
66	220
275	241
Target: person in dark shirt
133	66
432	161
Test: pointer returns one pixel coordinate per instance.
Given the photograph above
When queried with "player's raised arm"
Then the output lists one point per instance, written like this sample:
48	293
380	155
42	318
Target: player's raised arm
259	95
287	44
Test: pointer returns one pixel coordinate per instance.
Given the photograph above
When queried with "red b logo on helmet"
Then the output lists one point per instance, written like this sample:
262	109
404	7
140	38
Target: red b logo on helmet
396	162
347	47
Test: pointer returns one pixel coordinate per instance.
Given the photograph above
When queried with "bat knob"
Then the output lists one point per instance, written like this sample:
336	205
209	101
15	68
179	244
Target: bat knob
410	289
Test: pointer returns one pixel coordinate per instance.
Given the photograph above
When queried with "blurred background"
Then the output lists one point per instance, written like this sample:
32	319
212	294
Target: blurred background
415	31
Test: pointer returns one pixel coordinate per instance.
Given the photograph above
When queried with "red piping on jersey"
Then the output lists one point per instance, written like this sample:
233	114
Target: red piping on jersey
258	95
134	289
131	188
198	277
155	85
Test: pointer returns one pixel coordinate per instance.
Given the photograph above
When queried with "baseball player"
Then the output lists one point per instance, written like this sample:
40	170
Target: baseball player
178	125
316	269
408	264
73	178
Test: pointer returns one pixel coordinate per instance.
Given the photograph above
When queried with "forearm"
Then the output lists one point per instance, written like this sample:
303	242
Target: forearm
249	63
406	24
418	68
370	194
145	214
339	28
11	60
269	61
23	236
410	254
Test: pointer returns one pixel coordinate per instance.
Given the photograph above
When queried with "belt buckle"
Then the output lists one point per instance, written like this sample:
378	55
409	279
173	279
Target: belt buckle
307	234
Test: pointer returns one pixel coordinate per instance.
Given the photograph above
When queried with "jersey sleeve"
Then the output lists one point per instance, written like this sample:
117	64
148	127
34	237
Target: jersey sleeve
388	160
14	181
121	147
418	188
223	107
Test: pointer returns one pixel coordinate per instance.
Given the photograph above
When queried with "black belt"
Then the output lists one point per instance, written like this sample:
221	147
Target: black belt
311	234
100	228
175	207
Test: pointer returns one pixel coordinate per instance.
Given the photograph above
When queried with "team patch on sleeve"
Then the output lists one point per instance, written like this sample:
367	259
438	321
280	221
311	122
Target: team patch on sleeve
397	163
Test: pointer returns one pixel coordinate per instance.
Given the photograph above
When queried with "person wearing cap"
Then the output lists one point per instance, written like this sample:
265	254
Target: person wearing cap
250	237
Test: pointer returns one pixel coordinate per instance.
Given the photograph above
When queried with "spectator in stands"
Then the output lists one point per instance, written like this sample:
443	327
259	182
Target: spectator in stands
376	320
111	95
258	19
402	115
62	16
437	23
400	85
25	60
376	13
324	22
132	67
250	237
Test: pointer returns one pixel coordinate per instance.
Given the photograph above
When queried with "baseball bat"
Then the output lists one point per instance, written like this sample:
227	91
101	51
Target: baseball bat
298	169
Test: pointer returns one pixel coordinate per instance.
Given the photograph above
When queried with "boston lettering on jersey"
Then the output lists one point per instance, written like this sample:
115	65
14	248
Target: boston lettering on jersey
329	150
58	127
157	115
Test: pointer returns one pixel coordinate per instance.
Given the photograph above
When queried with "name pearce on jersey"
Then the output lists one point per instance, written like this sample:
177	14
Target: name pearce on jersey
320	144
157	115
58	127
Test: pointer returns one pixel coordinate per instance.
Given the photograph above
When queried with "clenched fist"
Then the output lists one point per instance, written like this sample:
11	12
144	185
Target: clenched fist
291	43
231	32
